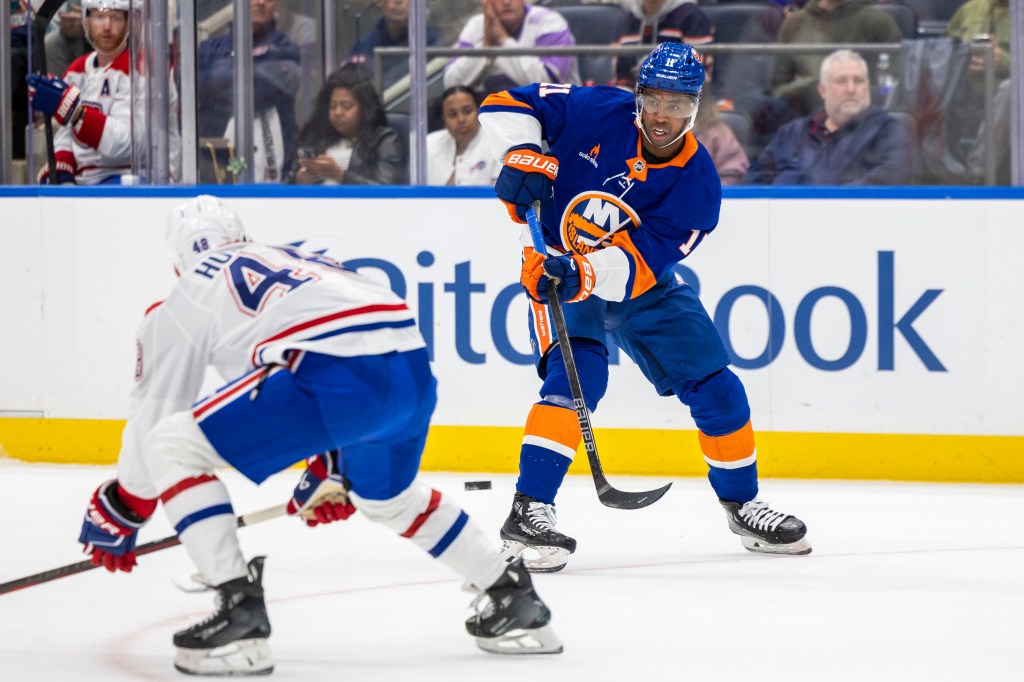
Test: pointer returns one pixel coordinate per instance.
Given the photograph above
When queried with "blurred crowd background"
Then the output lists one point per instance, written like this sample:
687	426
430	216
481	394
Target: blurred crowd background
914	92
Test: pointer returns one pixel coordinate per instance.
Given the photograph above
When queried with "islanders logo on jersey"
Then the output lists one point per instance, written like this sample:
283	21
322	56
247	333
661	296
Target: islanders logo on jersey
591	218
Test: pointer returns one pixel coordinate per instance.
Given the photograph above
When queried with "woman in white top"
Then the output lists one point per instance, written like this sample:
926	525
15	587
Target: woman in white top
346	140
459	154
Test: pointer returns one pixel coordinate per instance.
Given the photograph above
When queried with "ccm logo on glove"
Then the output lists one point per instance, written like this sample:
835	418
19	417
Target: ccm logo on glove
531	162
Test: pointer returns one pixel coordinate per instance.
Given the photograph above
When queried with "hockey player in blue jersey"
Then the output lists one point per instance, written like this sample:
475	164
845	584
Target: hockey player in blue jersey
626	192
323	359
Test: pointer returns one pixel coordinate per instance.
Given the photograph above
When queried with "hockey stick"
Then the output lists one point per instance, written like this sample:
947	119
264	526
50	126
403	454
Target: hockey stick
609	496
148	548
42	20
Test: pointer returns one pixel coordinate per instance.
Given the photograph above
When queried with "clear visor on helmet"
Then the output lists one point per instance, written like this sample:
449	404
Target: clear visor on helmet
106	27
668	104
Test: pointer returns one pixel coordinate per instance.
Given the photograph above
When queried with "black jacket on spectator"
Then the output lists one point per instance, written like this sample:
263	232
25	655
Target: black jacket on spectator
377	161
384	168
873	149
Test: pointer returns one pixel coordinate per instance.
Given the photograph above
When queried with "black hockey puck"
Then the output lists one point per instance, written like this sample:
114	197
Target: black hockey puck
478	485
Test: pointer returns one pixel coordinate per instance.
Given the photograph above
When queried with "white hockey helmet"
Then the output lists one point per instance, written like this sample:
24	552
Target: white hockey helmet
200	225
122	5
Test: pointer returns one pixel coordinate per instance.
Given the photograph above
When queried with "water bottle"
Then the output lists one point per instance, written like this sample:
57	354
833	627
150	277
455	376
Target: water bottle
885	79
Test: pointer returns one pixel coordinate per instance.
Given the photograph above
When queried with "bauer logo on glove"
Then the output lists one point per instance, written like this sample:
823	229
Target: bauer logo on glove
527	176
532	162
572	277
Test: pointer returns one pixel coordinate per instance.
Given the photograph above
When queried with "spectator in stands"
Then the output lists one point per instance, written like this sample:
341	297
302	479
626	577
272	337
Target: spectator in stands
988	21
726	151
511	24
391	31
347	140
458	154
850	142
66	44
276	78
795	76
651	22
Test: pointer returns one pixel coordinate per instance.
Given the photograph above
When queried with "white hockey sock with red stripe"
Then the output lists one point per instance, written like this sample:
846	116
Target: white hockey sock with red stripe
200	511
181	462
441	528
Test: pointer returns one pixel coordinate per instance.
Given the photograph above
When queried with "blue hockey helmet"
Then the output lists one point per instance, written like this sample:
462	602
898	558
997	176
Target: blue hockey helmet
673	67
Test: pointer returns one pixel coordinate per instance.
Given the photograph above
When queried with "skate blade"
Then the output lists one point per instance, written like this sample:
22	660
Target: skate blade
800	547
242	658
542	640
536	559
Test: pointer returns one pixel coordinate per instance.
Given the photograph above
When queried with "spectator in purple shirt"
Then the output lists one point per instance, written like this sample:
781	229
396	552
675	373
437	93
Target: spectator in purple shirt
511	24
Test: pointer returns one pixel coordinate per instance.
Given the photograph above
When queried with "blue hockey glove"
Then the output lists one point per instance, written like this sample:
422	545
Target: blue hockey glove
527	176
54	97
110	528
321	495
574	273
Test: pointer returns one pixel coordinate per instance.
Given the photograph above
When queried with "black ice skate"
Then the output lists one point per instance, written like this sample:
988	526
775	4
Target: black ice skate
762	529
531	524
511	618
233	641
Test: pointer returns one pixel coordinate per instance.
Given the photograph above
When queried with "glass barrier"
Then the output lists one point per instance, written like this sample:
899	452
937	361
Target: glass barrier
941	87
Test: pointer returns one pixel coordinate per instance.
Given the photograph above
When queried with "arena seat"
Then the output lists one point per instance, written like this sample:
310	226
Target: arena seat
742	22
904	16
739	123
594	25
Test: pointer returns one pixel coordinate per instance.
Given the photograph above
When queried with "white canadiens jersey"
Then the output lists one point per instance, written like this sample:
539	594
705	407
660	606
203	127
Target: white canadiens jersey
100	144
247	306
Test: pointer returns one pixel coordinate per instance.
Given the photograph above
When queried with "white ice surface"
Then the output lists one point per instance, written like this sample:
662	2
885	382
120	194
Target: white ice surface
906	582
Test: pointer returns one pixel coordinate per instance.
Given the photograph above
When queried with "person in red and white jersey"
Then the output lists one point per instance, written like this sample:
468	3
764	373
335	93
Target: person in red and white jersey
322	360
92	102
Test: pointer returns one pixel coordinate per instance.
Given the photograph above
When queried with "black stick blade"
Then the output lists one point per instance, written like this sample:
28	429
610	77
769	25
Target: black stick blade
621	499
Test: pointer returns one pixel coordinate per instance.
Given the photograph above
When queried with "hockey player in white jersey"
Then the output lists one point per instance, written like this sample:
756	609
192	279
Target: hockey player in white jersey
324	360
92	101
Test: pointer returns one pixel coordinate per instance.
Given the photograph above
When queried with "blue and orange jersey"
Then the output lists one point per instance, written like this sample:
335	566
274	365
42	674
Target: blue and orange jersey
633	219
